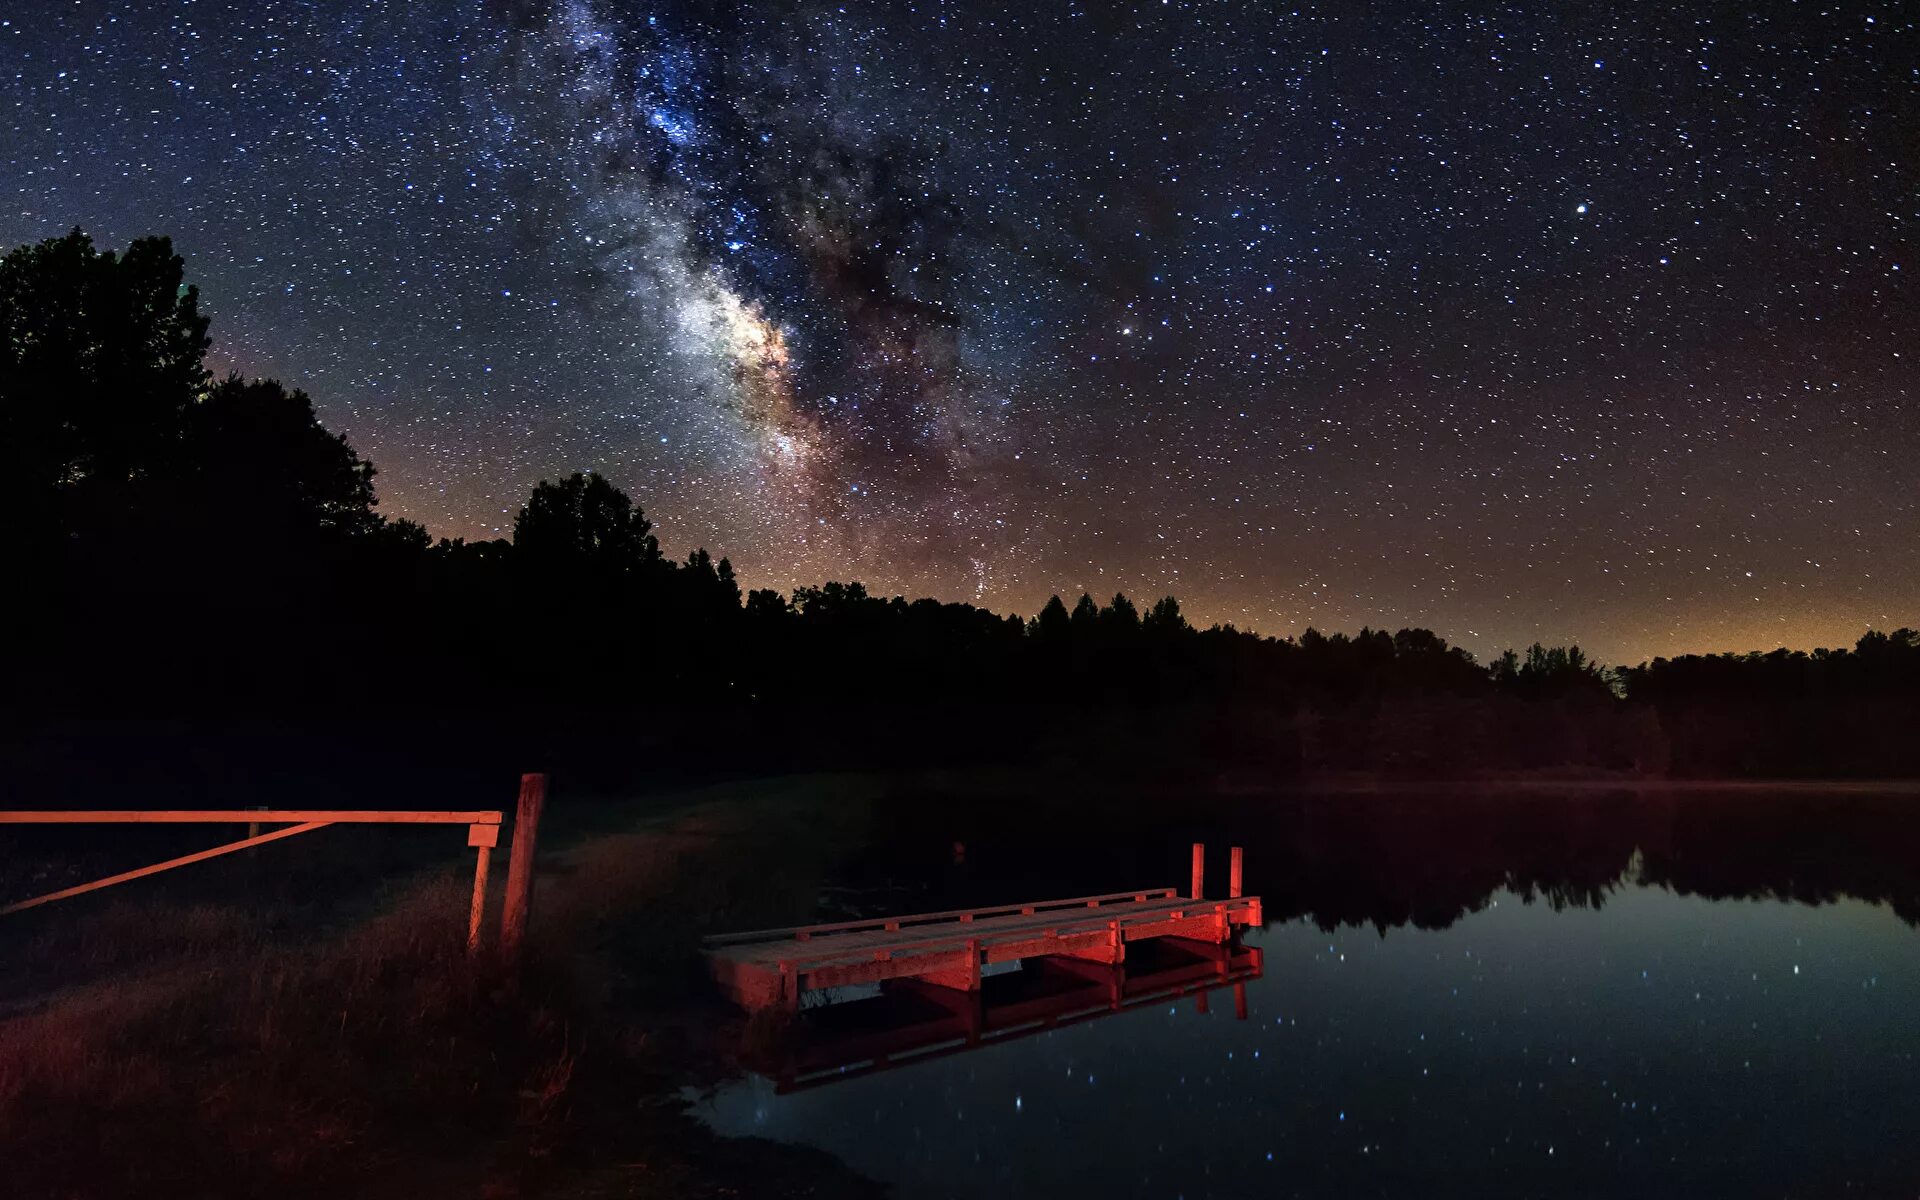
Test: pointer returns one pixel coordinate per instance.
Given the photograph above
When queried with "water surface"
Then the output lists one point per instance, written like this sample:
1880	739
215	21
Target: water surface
1560	996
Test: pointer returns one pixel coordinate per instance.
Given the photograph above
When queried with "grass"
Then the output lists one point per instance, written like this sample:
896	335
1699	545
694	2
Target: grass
188	1047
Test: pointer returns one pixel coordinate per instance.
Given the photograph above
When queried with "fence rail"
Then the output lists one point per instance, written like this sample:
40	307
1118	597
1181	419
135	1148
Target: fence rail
243	816
483	834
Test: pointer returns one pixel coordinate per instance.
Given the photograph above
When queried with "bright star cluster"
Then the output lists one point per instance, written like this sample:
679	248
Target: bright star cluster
1559	324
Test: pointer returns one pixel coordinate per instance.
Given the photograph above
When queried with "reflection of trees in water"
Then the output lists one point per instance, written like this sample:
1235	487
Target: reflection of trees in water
1805	850
1423	861
1562	896
1428	863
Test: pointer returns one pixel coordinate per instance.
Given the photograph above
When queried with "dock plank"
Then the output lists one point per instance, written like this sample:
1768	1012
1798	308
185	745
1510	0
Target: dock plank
961	915
956	933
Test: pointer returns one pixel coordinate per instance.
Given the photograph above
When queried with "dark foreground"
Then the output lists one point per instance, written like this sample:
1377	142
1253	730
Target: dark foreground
1517	990
302	1020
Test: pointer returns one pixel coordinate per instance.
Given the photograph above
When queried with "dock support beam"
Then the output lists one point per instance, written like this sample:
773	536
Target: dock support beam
1233	874
1199	869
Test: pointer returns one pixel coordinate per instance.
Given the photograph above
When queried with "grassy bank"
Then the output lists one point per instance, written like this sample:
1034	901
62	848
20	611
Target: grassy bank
169	1045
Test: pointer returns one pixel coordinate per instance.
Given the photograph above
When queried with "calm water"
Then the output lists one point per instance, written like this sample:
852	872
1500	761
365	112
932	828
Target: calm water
1575	997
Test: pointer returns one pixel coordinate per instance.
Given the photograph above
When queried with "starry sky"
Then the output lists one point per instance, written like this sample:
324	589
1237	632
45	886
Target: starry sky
1561	322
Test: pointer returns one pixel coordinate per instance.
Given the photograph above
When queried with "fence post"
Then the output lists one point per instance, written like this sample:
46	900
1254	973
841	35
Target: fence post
1199	868
526	830
483	838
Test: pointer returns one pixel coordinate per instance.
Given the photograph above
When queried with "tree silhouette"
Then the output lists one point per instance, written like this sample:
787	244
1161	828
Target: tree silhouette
100	357
260	441
709	584
1551	672
1086	615
1164	618
1053	625
766	604
585	523
1120	618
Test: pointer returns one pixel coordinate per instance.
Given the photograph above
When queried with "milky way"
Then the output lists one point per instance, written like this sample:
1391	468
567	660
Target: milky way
1516	323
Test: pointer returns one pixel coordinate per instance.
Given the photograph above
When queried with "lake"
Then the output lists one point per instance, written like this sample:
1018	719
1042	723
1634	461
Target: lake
1565	994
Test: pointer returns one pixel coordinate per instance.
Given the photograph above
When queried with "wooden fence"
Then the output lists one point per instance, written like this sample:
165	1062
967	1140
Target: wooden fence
483	834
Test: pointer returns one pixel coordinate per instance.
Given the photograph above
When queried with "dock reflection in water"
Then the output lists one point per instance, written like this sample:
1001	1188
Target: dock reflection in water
910	1021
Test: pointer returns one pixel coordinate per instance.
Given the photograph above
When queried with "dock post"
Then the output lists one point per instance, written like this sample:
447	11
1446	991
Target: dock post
526	832
1199	868
1233	874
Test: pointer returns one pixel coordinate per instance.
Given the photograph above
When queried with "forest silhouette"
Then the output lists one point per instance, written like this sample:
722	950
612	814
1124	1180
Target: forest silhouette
198	549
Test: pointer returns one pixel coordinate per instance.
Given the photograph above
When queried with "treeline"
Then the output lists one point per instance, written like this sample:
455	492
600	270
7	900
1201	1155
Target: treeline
1830	713
201	549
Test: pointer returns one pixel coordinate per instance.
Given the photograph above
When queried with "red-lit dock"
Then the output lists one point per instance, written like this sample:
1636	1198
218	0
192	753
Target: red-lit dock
773	968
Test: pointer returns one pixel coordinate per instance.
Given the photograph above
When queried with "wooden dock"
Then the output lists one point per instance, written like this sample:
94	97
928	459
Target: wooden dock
773	968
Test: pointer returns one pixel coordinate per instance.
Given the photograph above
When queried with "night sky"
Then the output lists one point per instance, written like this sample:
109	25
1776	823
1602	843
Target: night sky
1563	322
